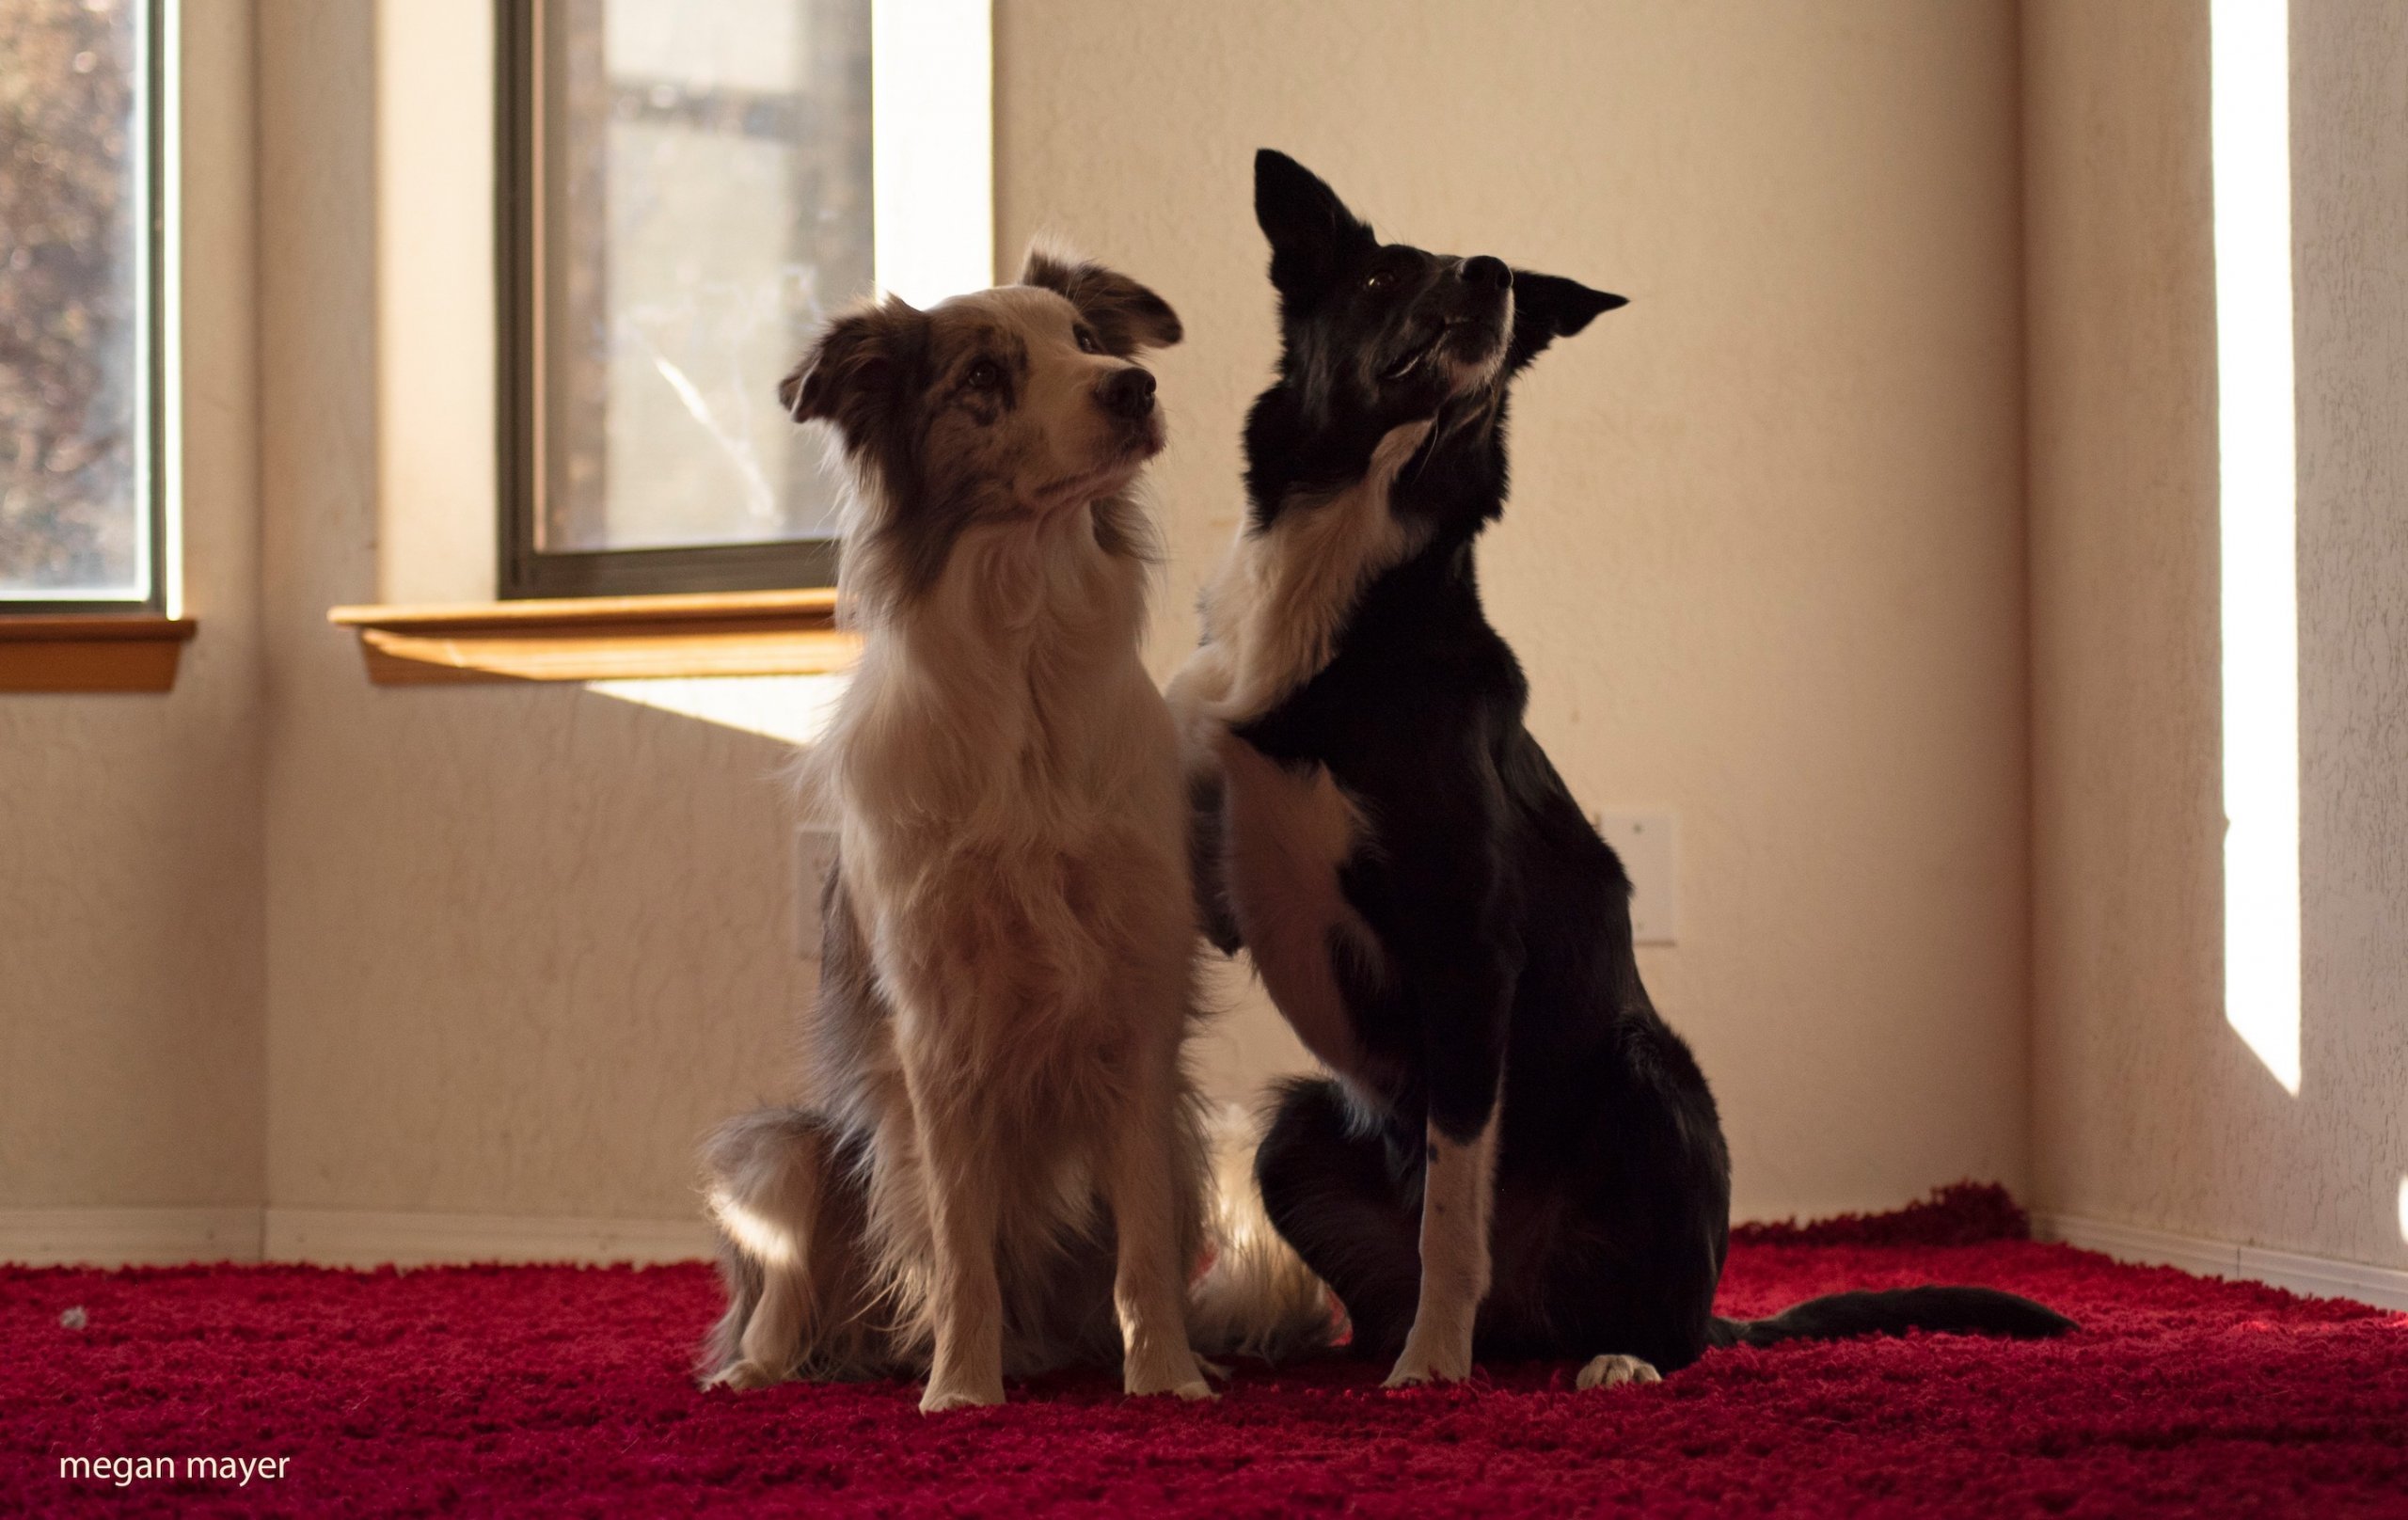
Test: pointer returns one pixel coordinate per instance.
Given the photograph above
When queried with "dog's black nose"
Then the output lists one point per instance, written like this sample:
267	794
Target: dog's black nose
1485	271
1128	392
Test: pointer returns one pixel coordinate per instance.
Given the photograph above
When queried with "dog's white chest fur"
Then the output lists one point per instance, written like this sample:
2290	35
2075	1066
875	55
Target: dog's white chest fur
1286	833
1272	619
1011	807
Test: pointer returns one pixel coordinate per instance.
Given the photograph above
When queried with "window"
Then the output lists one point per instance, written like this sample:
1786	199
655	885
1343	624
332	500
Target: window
686	193
82	511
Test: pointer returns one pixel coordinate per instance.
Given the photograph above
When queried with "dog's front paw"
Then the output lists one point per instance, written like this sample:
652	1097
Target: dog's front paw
1189	1392
1178	1375
1422	1364
936	1400
741	1375
1616	1371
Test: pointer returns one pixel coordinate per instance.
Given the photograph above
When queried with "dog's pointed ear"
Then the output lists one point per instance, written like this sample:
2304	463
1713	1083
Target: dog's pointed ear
1548	307
855	365
1311	230
1125	315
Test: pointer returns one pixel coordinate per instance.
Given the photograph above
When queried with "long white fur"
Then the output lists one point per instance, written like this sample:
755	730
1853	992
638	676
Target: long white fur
1258	1298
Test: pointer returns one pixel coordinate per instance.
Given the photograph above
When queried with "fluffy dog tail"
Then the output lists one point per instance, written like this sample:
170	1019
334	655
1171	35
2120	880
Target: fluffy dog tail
1256	1297
1961	1311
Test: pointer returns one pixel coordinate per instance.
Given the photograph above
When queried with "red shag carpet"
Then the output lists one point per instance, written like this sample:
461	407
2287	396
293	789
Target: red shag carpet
558	1390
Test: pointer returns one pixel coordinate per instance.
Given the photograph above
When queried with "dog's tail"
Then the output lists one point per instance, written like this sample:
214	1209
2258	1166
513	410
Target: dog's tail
1960	1311
1256	1297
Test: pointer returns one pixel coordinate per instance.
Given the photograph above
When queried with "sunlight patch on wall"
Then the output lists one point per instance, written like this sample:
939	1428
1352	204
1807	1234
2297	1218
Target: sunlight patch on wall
794	709
2250	69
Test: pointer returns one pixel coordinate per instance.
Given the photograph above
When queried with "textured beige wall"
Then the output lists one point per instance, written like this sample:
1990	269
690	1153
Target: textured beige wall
2148	1110
1765	567
2350	130
525	942
506	951
131	992
1764	561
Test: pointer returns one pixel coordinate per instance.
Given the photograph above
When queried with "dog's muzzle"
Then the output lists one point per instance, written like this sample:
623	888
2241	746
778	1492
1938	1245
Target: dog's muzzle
1128	393
1485	271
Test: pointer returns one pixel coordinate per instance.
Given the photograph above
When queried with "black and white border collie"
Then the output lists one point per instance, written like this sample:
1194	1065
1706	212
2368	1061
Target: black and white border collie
1516	1158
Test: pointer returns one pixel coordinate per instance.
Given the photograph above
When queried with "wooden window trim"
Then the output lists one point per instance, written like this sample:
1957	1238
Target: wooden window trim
91	651
603	638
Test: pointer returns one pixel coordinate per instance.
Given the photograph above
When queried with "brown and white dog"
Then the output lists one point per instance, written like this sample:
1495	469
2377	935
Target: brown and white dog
1001	1168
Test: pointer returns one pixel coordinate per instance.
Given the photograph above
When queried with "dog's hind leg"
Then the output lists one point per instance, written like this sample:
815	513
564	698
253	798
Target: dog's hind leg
1334	1194
788	1213
1629	1276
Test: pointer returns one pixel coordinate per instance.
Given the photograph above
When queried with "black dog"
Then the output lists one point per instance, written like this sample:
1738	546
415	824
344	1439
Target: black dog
1422	896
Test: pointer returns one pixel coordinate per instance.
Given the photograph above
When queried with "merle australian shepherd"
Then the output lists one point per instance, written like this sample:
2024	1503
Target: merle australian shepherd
1516	1157
998	1168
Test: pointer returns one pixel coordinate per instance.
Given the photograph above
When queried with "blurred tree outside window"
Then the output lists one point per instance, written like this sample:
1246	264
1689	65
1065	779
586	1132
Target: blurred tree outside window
77	522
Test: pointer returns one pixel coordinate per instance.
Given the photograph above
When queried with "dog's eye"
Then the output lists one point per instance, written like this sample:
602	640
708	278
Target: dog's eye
983	375
1086	341
1379	279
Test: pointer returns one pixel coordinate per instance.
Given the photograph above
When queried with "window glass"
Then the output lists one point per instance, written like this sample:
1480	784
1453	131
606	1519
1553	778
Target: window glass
75	512
703	192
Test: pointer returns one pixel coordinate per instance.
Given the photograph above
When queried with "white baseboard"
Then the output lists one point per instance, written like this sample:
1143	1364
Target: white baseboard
333	1238
347	1238
128	1237
2313	1275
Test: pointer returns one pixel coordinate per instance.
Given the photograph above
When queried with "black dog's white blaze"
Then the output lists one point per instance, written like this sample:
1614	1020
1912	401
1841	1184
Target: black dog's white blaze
1523	1160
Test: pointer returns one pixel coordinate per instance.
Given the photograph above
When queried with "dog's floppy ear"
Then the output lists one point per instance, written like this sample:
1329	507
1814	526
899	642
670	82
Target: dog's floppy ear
1311	230
1548	307
1125	315
853	367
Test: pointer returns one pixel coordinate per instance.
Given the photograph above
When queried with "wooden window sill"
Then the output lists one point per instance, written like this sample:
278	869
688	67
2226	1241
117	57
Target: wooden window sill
91	651
603	638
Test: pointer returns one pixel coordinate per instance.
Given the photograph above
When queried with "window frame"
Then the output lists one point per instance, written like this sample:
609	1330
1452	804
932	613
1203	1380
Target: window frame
153	398
525	570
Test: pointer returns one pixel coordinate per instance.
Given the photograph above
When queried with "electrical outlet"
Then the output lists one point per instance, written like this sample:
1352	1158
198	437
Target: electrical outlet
815	851
1649	845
